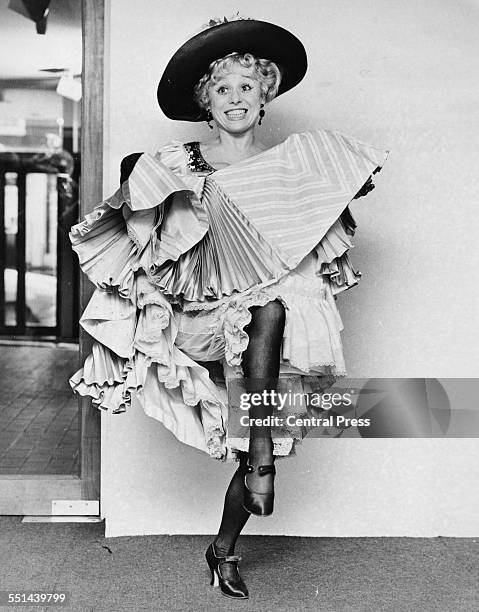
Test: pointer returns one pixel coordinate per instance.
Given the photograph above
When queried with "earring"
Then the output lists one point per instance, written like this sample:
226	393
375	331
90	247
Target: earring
209	117
261	113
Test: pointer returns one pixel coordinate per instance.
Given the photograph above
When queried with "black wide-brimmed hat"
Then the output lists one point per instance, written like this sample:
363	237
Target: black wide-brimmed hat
191	61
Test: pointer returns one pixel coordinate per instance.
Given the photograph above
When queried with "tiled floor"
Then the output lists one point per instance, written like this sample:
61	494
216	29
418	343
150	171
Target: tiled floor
39	429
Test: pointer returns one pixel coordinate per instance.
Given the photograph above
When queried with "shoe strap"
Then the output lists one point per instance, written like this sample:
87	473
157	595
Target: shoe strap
262	469
228	559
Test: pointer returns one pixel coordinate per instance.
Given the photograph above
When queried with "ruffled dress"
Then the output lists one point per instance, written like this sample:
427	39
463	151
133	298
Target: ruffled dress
180	253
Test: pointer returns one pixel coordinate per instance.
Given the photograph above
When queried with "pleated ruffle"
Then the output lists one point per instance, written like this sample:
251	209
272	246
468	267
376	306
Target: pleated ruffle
174	389
170	386
333	257
138	352
231	257
177	263
107	254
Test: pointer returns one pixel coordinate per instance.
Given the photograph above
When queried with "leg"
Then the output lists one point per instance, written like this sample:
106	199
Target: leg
262	360
234	518
261	368
234	515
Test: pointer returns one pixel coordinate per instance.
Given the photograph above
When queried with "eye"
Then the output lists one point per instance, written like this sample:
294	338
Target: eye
246	87
221	89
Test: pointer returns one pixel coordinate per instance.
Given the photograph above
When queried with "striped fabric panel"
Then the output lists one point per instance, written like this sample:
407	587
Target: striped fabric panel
295	191
149	185
151	182
232	256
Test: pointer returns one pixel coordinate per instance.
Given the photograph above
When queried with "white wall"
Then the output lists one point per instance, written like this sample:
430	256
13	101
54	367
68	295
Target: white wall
401	76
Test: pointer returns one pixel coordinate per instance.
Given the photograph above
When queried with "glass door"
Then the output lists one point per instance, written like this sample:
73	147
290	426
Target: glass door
49	441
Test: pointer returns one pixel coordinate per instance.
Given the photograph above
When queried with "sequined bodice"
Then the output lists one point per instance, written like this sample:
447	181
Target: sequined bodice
196	161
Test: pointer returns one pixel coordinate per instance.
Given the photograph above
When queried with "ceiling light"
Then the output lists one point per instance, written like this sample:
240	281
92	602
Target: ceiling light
36	10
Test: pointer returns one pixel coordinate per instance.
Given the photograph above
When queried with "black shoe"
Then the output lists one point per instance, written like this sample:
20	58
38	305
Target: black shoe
230	588
259	504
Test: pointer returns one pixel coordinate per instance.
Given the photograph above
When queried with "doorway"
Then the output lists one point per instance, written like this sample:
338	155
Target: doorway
49	440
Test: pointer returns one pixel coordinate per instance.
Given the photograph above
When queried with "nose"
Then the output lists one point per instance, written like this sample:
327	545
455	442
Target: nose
235	96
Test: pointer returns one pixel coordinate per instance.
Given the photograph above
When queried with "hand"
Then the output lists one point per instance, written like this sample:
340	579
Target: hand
365	189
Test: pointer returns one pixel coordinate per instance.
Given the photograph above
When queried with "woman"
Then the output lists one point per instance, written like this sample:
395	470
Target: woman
217	265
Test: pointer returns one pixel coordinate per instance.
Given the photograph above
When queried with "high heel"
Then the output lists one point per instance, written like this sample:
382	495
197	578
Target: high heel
259	504
230	588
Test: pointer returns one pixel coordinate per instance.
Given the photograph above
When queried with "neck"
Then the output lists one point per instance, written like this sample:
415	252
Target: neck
237	143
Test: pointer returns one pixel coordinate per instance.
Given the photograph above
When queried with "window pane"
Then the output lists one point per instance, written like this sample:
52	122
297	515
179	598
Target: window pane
11	231
41	250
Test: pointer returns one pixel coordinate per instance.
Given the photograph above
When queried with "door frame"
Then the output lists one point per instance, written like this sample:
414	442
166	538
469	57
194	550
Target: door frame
91	190
50	494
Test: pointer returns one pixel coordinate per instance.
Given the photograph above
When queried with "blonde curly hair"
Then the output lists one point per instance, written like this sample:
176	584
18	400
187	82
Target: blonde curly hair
265	71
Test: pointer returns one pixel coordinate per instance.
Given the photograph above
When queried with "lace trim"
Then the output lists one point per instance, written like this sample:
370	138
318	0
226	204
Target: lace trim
239	317
282	447
197	306
215	442
150	298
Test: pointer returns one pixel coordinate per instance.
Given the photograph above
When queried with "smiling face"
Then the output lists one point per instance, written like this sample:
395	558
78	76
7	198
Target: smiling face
235	100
